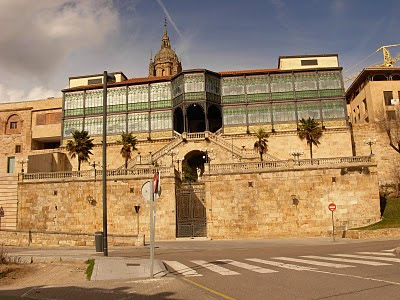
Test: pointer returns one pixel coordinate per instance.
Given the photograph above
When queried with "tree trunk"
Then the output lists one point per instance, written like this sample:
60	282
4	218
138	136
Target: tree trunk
311	150
79	164
261	156
126	163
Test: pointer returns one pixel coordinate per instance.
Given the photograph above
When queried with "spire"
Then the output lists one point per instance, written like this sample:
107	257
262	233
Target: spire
165	39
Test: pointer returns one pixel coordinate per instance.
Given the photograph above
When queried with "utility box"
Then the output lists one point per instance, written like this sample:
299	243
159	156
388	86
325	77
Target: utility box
98	237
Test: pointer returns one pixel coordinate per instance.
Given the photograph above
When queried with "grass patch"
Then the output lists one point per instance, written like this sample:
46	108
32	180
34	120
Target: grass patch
391	216
89	269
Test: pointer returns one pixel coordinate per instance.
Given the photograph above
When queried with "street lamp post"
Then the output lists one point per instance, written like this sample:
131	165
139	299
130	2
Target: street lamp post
23	161
106	77
370	142
296	154
172	153
94	165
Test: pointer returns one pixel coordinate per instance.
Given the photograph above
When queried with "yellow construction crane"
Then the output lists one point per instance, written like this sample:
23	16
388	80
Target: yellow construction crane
388	60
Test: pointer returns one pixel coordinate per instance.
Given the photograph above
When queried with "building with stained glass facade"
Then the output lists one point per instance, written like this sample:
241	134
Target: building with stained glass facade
199	100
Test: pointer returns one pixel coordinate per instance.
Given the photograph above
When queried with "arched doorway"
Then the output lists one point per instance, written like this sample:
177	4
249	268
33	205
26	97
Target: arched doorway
214	118
191	218
178	120
195	118
193	166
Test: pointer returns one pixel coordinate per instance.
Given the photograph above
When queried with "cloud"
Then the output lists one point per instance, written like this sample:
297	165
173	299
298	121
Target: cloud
281	10
169	17
338	6
14	95
37	38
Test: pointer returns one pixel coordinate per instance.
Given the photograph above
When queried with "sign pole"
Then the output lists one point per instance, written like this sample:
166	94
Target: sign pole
151	229
333	227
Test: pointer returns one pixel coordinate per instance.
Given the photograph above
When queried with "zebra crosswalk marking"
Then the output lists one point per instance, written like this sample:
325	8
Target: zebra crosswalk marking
345	260
377	253
247	266
215	268
182	269
369	257
281	265
313	262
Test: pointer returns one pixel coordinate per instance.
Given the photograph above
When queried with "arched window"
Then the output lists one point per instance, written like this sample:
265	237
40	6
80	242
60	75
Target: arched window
13	125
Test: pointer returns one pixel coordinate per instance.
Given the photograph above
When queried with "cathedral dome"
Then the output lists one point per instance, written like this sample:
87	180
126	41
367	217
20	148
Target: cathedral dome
166	62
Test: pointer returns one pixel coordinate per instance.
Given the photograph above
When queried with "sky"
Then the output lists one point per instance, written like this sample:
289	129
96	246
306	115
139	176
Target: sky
43	42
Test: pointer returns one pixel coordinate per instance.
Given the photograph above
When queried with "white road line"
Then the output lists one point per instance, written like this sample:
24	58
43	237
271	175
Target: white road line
215	268
247	266
182	269
369	257
281	265
390	250
345	260
377	253
313	262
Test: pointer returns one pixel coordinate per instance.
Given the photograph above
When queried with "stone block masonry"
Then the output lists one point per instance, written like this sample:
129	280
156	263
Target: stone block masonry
242	200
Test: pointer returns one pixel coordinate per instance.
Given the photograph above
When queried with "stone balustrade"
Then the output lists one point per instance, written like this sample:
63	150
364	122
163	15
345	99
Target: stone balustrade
90	174
287	164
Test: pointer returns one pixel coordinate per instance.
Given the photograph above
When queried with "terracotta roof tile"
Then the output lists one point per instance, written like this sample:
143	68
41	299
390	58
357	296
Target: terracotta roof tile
237	72
114	84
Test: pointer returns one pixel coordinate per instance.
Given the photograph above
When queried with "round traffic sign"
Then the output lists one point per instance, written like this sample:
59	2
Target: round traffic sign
146	190
332	206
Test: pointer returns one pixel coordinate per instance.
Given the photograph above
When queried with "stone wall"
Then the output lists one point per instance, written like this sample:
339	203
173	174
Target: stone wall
48	238
75	205
387	158
261	205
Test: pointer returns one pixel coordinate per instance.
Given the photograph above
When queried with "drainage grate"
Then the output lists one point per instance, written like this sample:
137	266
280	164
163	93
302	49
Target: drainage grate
132	265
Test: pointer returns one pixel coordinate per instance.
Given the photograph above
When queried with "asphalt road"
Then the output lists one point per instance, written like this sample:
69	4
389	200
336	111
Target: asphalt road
277	269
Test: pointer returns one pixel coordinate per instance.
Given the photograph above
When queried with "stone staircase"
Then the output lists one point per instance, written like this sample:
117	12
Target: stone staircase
249	154
216	138
9	200
148	159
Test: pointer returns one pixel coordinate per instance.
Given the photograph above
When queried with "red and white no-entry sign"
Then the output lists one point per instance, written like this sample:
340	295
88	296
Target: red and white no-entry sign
332	206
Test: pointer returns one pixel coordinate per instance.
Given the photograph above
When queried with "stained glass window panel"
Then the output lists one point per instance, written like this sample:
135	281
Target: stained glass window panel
161	120
73	105
232	86
194	83
177	86
257	84
138	97
309	110
234	115
138	122
212	85
94	125
329	80
281	83
259	114
71	125
116	124
284	112
116	99
333	110
94	102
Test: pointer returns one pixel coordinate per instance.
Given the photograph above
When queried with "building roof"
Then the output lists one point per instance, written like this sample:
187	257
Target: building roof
370	71
115	84
152	79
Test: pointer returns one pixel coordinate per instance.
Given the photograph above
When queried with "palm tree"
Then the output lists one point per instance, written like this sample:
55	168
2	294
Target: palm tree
128	142
311	131
80	146
261	144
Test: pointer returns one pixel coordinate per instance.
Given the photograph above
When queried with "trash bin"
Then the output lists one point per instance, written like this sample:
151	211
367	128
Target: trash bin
98	237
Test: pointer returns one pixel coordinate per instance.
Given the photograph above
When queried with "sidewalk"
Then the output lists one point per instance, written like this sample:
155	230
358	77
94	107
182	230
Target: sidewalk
113	267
